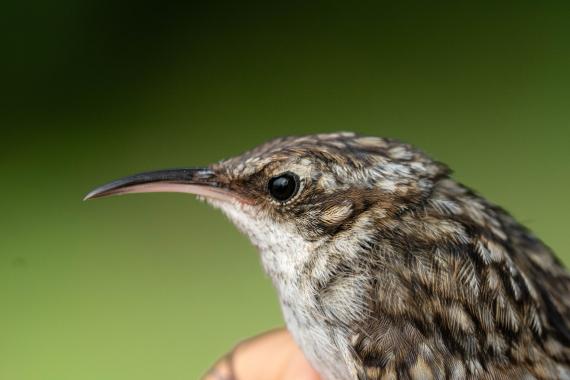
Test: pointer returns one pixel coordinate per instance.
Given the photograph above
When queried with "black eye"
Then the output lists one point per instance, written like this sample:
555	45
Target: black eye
284	186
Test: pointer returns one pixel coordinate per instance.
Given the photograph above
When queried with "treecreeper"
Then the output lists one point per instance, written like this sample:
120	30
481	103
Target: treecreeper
384	265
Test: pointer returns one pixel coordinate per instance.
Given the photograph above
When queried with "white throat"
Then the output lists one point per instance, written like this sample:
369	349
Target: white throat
283	252
284	255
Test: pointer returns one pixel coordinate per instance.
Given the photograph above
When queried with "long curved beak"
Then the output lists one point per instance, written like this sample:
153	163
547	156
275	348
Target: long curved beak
198	181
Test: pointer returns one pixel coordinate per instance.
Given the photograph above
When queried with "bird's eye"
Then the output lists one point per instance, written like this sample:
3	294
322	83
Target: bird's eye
284	186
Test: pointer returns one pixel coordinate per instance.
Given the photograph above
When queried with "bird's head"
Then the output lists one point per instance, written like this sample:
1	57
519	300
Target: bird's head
294	192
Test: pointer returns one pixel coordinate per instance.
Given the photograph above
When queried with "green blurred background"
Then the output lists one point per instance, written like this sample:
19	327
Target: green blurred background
157	286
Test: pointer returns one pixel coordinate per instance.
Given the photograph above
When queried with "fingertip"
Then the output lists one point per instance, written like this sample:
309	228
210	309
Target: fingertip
222	370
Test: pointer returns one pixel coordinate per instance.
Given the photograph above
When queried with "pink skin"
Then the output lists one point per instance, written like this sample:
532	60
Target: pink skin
270	356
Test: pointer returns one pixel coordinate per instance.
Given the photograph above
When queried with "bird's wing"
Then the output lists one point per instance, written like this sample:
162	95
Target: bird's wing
465	293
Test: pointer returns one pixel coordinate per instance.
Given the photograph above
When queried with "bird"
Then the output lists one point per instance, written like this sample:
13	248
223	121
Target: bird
384	265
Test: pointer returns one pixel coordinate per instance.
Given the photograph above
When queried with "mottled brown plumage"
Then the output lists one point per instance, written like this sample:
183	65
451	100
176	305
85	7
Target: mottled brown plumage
387	268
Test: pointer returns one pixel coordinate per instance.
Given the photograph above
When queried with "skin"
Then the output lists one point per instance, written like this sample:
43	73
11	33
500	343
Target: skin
270	356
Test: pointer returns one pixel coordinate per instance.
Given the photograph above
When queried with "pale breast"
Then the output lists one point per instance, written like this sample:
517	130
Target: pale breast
284	254
321	343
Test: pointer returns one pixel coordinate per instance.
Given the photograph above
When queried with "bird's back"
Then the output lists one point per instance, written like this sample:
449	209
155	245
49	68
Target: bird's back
461	290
